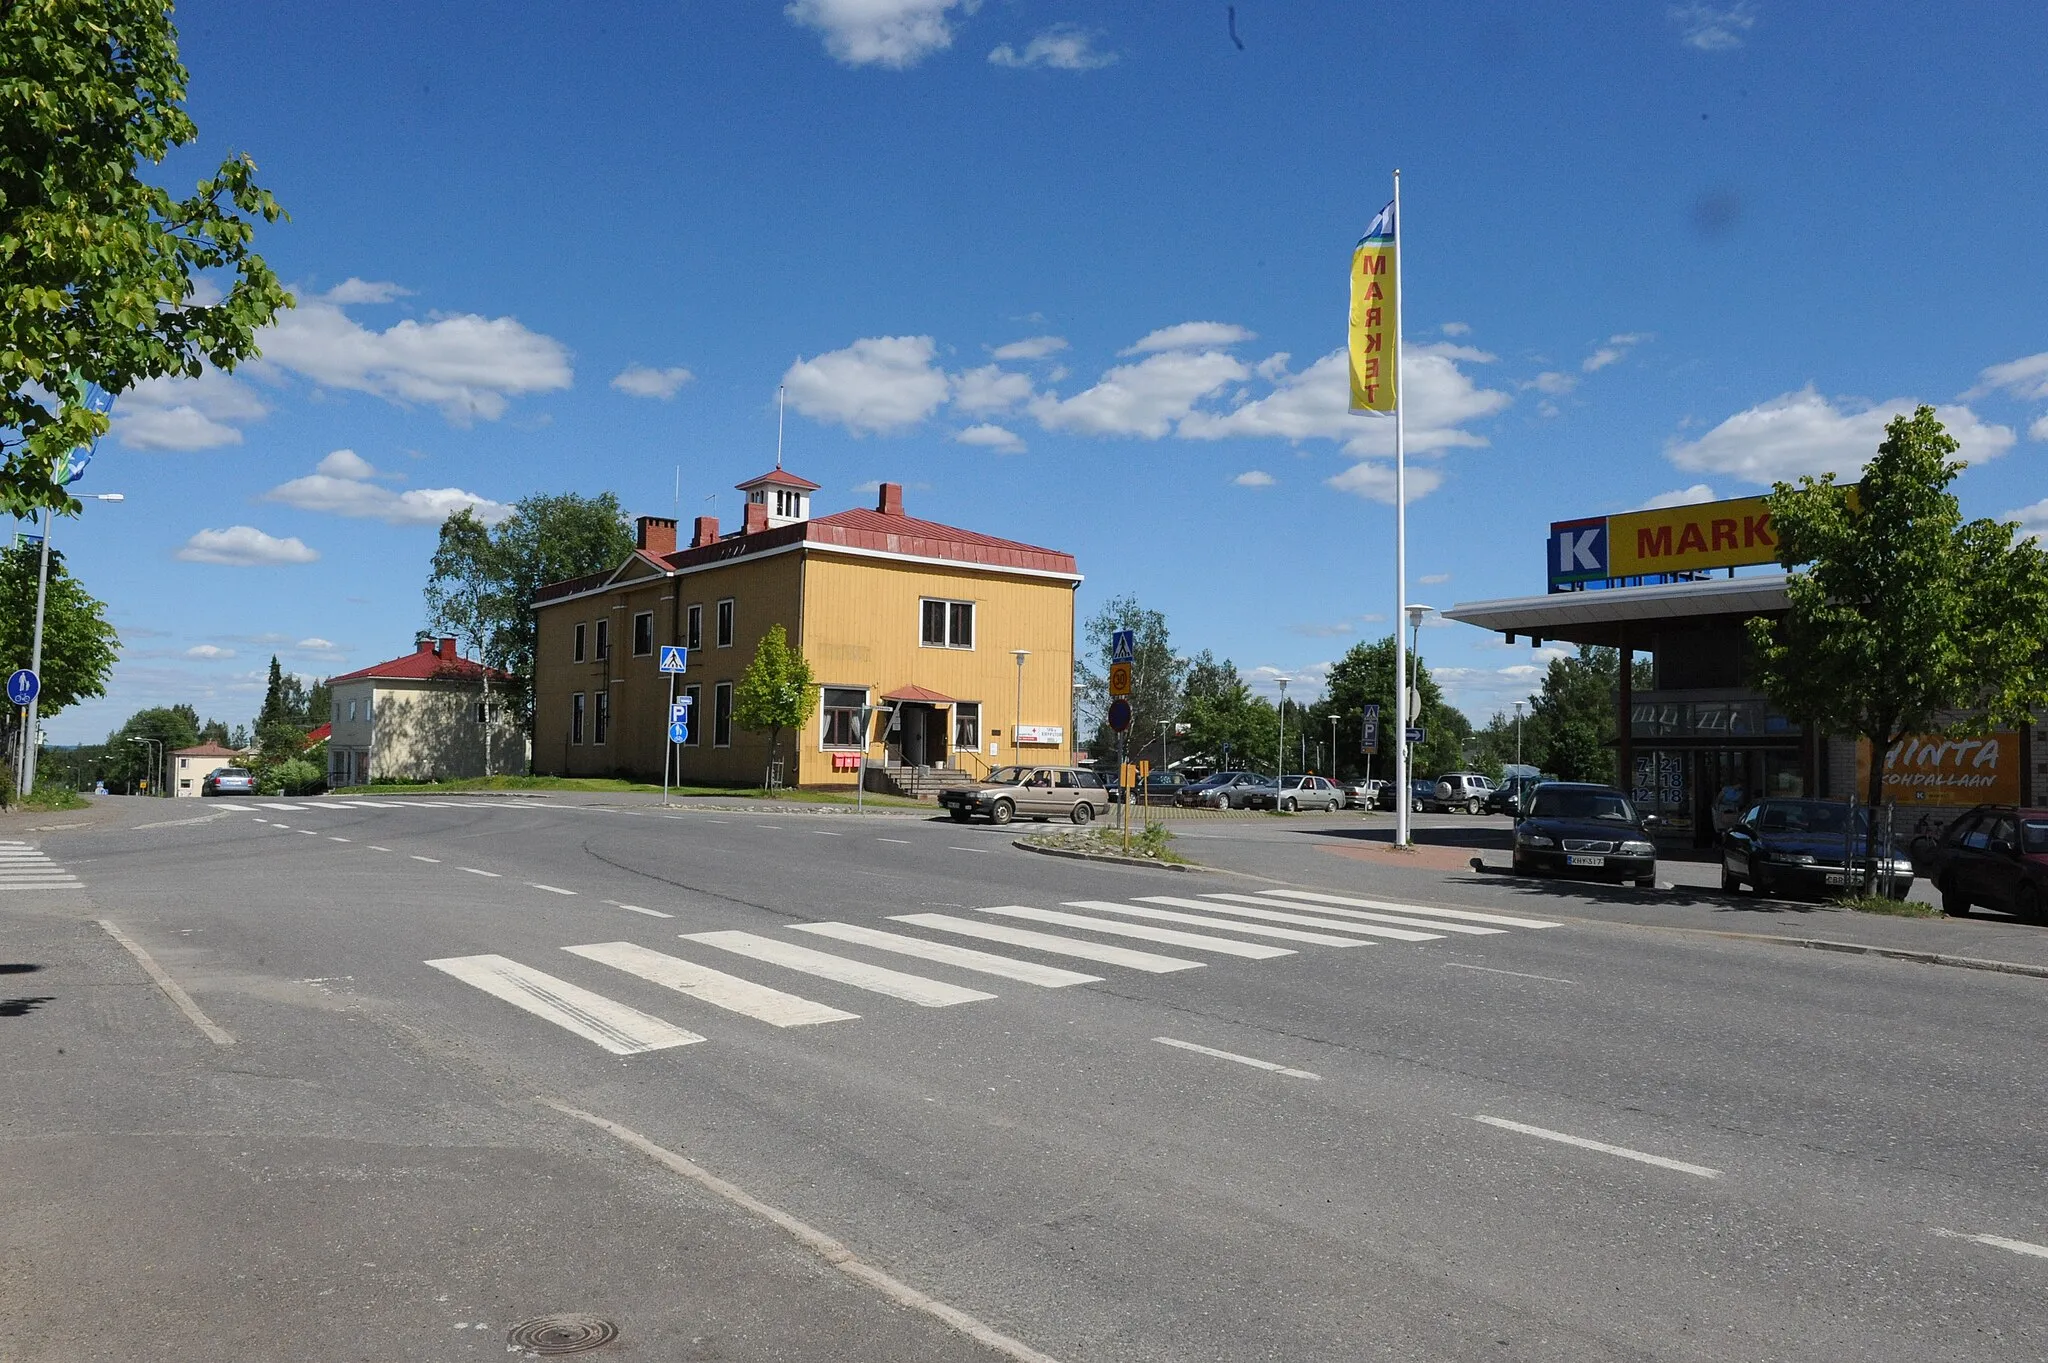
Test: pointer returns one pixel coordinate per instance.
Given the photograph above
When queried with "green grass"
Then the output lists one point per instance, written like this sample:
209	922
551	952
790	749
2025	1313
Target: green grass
1152	843
53	797
1892	908
605	785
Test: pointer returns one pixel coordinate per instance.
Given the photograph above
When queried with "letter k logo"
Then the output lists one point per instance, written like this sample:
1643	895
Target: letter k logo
1575	551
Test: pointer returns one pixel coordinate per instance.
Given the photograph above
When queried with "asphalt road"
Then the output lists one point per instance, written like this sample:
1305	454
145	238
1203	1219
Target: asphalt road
488	1060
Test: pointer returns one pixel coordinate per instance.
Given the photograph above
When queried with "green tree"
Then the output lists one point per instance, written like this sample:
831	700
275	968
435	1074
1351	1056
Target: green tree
1365	675
483	580
289	699
776	692
100	269
79	646
1227	725
130	760
1156	676
1904	618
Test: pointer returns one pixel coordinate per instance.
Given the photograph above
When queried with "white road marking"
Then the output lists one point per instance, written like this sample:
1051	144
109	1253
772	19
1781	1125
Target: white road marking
635	908
375	848
356	804
894	983
1212	921
819	1243
1996	1242
551	889
905	842
1696	1170
217	1035
1274	915
1518	974
417	857
988	850
1439	926
239	809
1172	936
714	987
309	832
1255	1063
1050	944
262	805
823	834
475	872
332	838
1463	915
612	1025
967	958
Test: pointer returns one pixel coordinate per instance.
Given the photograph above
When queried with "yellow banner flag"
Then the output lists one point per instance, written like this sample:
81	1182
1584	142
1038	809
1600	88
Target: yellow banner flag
1375	339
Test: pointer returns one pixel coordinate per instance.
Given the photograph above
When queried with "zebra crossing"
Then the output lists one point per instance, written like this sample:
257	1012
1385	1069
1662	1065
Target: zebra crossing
1248	927
317	806
24	868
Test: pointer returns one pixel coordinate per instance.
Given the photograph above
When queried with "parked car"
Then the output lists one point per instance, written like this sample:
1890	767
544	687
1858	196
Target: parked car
1420	790
1360	793
1041	793
1310	792
1160	787
1994	857
1228	790
1795	847
228	781
1575	827
1466	790
1509	796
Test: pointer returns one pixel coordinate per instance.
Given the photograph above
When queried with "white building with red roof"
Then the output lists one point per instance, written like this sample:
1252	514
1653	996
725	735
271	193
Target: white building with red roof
422	717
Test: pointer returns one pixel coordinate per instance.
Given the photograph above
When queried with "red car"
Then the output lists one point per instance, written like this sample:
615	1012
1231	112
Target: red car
1994	857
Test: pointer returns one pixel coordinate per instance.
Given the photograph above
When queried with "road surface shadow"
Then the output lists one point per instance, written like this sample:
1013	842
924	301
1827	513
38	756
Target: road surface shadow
21	1007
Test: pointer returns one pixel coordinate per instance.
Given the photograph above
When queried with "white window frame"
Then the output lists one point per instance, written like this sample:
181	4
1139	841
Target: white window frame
958	707
950	604
721	691
351	710
638	651
727	622
823	711
576	703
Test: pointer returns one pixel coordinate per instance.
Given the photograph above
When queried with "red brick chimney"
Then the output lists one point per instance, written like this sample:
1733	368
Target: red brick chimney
891	503
425	643
707	532
655	534
445	651
757	517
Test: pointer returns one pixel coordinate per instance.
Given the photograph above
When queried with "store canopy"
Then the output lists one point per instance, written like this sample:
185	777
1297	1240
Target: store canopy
1599	616
918	695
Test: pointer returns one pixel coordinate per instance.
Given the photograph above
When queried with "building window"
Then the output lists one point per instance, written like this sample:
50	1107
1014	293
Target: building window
788	503
693	628
946	624
967	725
695	695
485	713
603	718
842	726
351	709
337	712
577	656
721	715
643	634
604	639
725	623
576	715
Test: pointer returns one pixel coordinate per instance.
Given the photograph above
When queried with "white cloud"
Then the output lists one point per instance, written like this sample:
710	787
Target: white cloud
1617	348
1191	336
1433	579
640	381
186	414
1063	47
1145	398
1553	381
988	437
1030	348
1456	329
342	488
1713	28
1803	432
989	389
1302	682
2026	377
879	383
353	290
1254	478
2039	430
1374	481
347	464
244	546
466	365
315	645
2033	519
1273	366
1679	496
209	652
891	33
1315	405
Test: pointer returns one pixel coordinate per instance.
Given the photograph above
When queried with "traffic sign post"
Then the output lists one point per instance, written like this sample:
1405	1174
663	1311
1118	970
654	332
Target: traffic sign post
675	660
1369	731
1120	715
1123	646
1119	679
1417	735
23	686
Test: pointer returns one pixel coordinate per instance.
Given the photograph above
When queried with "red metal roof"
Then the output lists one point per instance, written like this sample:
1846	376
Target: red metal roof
919	693
779	478
425	663
205	750
318	735
862	528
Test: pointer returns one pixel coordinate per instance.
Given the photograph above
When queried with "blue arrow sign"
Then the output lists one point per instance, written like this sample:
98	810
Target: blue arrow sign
1417	734
675	658
23	686
679	732
1123	646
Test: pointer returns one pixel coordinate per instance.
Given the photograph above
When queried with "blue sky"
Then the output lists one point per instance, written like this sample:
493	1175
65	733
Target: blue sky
1074	274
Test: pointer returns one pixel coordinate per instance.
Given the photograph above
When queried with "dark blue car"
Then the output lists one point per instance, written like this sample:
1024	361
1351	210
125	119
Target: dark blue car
1803	848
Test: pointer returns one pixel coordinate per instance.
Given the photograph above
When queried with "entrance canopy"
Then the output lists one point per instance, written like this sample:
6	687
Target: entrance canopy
1605	616
917	695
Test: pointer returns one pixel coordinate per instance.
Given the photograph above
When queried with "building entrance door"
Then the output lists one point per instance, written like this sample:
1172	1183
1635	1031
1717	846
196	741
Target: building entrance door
921	735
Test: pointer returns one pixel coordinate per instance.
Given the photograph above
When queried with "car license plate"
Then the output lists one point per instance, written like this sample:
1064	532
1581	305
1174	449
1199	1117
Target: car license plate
1585	861
1838	878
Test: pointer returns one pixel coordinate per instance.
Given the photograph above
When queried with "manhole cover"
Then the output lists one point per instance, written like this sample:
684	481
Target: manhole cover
567	1333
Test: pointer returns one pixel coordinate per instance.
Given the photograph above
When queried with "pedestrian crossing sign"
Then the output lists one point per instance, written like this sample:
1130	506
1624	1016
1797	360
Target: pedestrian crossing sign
675	658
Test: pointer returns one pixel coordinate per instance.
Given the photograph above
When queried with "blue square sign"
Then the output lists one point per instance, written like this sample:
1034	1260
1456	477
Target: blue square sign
675	658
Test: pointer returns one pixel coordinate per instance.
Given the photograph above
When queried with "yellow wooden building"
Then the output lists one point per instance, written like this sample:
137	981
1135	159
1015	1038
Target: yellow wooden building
959	643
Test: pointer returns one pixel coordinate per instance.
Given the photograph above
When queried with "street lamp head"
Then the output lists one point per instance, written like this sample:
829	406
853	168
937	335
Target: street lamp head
1020	654
1416	612
106	497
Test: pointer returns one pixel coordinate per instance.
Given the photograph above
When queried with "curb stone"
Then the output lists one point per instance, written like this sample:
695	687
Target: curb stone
1112	859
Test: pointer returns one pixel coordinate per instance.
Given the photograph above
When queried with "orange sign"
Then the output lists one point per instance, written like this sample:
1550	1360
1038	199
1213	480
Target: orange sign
1930	769
1119	679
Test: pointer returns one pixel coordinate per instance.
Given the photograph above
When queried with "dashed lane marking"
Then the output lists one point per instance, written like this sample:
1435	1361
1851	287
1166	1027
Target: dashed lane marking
551	889
1996	1242
635	908
1518	974
1253	1061
1696	1170
475	872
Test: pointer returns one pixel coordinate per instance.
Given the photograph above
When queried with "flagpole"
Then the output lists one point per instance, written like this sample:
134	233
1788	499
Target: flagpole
1403	782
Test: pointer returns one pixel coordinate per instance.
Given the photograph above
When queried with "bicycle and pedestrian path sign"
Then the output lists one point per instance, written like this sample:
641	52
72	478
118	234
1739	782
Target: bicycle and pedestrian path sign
23	686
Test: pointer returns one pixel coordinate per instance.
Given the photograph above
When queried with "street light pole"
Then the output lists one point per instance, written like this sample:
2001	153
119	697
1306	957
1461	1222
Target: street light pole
1017	717
27	775
1280	769
1518	735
